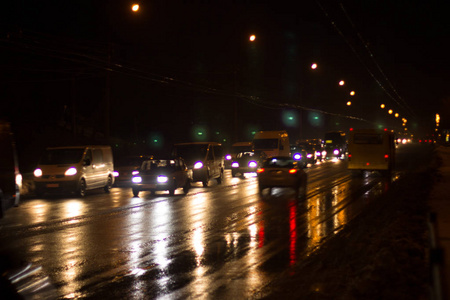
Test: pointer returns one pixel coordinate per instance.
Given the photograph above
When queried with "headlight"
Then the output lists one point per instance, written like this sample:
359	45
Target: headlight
324	153
116	174
71	171
136	179
38	173
309	155
336	152
198	165
252	164
162	179
235	164
135	172
297	156
228	157
19	179
318	153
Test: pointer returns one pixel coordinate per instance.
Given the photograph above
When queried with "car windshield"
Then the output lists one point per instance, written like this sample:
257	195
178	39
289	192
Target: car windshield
245	154
154	164
191	152
62	156
277	162
237	149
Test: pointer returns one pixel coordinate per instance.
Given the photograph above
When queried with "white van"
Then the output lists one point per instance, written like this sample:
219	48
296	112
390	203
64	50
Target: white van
204	159
372	150
74	169
272	143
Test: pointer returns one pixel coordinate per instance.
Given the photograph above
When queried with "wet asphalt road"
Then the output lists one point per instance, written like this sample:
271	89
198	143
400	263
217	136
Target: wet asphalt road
222	241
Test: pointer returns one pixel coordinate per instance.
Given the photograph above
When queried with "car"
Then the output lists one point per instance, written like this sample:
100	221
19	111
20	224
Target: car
282	171
125	166
235	149
166	174
311	153
300	155
204	159
245	162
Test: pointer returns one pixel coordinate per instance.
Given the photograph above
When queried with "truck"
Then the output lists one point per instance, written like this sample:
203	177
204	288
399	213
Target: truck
271	143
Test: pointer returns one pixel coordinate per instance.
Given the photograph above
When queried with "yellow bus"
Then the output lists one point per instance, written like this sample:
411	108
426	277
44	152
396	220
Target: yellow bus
371	150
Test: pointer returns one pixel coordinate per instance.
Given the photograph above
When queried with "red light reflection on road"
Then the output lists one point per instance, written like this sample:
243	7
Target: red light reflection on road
293	233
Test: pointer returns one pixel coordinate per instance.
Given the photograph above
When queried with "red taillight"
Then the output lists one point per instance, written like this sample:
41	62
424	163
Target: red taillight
367	164
260	170
386	156
293	171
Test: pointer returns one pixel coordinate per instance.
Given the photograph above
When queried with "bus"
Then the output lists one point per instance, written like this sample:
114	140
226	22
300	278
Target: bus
371	150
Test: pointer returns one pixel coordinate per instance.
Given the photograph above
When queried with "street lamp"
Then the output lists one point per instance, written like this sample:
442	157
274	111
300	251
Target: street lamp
252	38
341	83
349	103
382	106
390	111
135	7
352	93
314	66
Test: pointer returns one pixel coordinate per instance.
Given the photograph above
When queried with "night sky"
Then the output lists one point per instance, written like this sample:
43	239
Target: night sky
177	68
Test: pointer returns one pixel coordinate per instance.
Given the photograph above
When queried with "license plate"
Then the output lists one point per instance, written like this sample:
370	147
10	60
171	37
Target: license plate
52	185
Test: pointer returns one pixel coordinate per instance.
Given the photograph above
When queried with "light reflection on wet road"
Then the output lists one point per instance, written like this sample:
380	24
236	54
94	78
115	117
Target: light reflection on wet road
222	241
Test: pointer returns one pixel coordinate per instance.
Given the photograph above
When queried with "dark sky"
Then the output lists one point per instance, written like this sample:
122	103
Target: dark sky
179	67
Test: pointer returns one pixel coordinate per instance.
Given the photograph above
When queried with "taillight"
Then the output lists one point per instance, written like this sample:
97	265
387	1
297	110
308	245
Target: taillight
386	156
260	170
293	171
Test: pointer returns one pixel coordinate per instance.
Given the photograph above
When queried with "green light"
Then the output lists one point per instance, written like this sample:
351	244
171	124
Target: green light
316	118
155	141
217	132
200	133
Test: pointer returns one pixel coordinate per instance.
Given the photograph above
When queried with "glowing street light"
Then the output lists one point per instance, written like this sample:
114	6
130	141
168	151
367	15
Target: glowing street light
135	7
396	115
349	103
314	66
390	111
252	38
352	93
341	83
382	106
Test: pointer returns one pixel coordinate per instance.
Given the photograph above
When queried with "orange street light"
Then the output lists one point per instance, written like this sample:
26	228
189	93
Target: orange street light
382	106
342	82
396	115
314	66
252	38
135	7
352	93
349	103
390	111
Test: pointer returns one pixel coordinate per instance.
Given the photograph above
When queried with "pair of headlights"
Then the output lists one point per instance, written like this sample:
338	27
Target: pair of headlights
251	164
159	179
69	172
